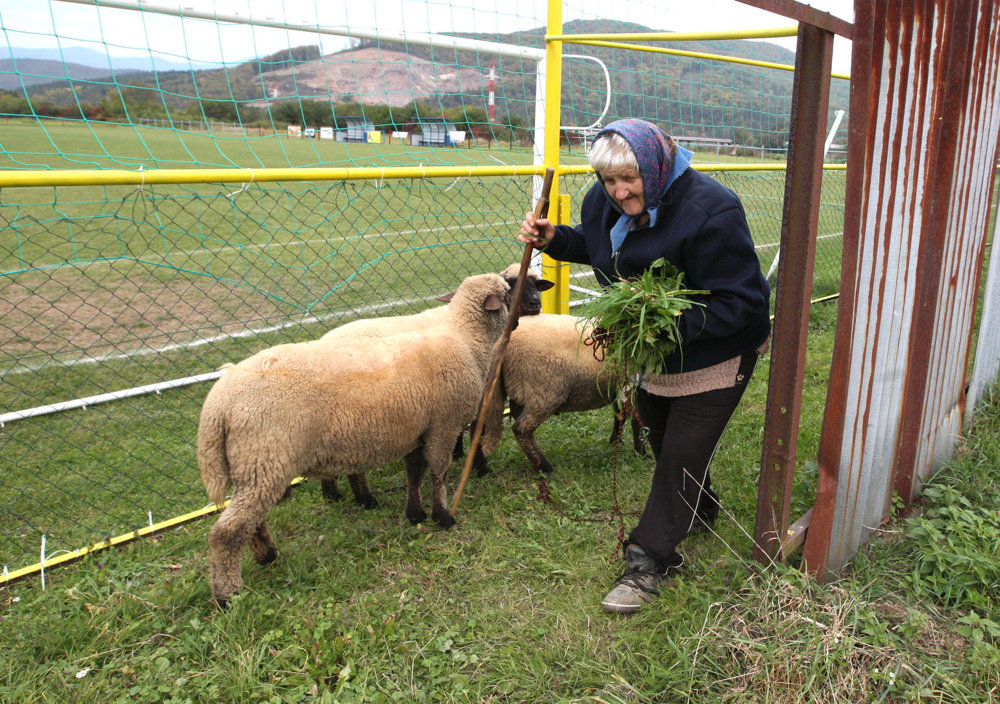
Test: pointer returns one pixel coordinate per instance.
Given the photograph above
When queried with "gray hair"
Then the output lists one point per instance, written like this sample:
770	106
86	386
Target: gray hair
611	153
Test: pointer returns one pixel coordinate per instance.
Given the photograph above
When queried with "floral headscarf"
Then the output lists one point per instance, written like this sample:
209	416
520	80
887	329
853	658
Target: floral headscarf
654	150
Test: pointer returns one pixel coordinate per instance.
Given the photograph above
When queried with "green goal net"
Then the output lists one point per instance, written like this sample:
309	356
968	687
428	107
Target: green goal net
407	140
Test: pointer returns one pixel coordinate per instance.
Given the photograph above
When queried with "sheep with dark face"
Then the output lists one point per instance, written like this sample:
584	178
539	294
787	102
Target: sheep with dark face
547	369
330	408
531	304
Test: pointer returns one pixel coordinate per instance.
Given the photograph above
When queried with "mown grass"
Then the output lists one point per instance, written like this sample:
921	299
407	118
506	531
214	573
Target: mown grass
105	289
361	606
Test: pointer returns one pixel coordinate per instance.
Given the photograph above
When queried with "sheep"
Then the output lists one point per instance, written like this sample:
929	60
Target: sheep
333	407
547	370
531	304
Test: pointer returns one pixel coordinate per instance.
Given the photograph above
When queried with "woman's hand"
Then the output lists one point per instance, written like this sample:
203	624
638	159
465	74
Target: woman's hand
537	233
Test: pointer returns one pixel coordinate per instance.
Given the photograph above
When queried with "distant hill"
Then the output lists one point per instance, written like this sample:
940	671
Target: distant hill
102	60
688	96
34	72
370	75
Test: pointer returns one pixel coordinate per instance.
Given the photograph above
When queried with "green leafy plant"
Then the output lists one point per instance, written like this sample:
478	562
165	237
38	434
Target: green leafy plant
634	321
954	549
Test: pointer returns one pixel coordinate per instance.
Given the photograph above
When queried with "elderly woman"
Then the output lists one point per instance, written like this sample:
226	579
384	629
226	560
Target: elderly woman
649	203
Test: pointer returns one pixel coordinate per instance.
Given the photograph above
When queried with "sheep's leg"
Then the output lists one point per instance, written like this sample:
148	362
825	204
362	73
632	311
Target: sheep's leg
262	546
480	463
524	432
436	459
415	469
479	459
489	441
359	487
331	492
362	492
240	522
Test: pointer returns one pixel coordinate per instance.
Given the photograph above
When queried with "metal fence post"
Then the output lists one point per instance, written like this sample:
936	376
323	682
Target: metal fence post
800	215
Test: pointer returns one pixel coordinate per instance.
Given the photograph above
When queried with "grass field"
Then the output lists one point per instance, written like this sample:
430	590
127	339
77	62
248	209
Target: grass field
103	289
363	607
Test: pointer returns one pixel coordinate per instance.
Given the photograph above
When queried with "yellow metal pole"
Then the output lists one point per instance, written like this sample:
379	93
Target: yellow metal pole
680	36
556	299
692	54
112	177
551	299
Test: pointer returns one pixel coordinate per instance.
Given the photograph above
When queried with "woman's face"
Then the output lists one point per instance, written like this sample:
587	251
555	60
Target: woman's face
626	189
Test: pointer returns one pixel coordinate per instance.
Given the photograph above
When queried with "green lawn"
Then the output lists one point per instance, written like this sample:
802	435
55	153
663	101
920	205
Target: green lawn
363	607
103	289
107	288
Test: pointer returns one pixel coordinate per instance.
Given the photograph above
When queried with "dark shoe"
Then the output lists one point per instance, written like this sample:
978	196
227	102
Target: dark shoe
640	582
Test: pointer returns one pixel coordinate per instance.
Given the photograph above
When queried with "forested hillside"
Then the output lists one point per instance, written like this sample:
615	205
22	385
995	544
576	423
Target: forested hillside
694	97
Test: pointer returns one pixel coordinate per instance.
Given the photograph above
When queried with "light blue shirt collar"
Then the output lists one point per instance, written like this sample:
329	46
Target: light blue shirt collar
620	230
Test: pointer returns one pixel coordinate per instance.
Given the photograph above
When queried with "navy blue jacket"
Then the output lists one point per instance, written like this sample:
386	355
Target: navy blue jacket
702	230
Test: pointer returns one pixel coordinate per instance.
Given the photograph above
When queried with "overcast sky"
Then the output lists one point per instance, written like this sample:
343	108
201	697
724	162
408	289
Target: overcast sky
38	23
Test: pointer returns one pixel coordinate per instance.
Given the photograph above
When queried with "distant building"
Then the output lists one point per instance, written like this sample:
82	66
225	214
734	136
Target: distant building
436	132
356	129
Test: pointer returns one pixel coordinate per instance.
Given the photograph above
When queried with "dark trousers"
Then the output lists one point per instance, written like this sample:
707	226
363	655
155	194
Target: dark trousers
683	434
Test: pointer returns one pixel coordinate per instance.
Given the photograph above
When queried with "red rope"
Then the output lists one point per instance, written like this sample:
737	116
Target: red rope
616	513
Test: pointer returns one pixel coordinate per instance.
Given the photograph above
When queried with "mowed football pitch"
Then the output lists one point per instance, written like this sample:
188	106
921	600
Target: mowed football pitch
108	288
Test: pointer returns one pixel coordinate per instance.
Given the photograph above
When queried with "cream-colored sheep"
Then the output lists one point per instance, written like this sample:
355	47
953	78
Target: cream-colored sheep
548	370
337	407
531	304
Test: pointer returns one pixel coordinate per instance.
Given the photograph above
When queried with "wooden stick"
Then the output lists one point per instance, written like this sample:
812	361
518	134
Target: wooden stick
541	209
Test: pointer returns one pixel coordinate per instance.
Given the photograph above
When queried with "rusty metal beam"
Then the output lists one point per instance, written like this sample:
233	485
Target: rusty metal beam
795	535
817	543
800	218
805	14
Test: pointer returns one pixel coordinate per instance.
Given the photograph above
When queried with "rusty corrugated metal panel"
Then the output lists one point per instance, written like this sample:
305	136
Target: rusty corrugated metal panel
927	78
956	211
987	364
983	100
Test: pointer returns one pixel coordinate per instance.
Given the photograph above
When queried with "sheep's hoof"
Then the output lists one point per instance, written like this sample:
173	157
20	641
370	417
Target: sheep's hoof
416	517
367	502
330	490
545	468
444	518
222	603
270	556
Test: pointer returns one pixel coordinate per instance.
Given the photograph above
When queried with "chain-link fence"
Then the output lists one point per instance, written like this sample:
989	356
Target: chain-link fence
117	308
118	304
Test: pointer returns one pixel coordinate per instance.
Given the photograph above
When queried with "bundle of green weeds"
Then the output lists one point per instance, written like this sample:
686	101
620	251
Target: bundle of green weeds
634	323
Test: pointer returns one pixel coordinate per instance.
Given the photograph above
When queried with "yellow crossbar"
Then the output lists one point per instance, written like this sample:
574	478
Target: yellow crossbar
111	177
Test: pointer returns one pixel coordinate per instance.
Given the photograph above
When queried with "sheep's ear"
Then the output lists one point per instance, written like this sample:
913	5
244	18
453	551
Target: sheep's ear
446	297
543	285
493	302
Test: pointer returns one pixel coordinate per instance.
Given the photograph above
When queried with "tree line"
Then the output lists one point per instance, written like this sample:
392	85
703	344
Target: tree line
687	96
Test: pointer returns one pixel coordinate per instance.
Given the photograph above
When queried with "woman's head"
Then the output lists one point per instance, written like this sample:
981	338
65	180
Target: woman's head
616	166
610	152
634	148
